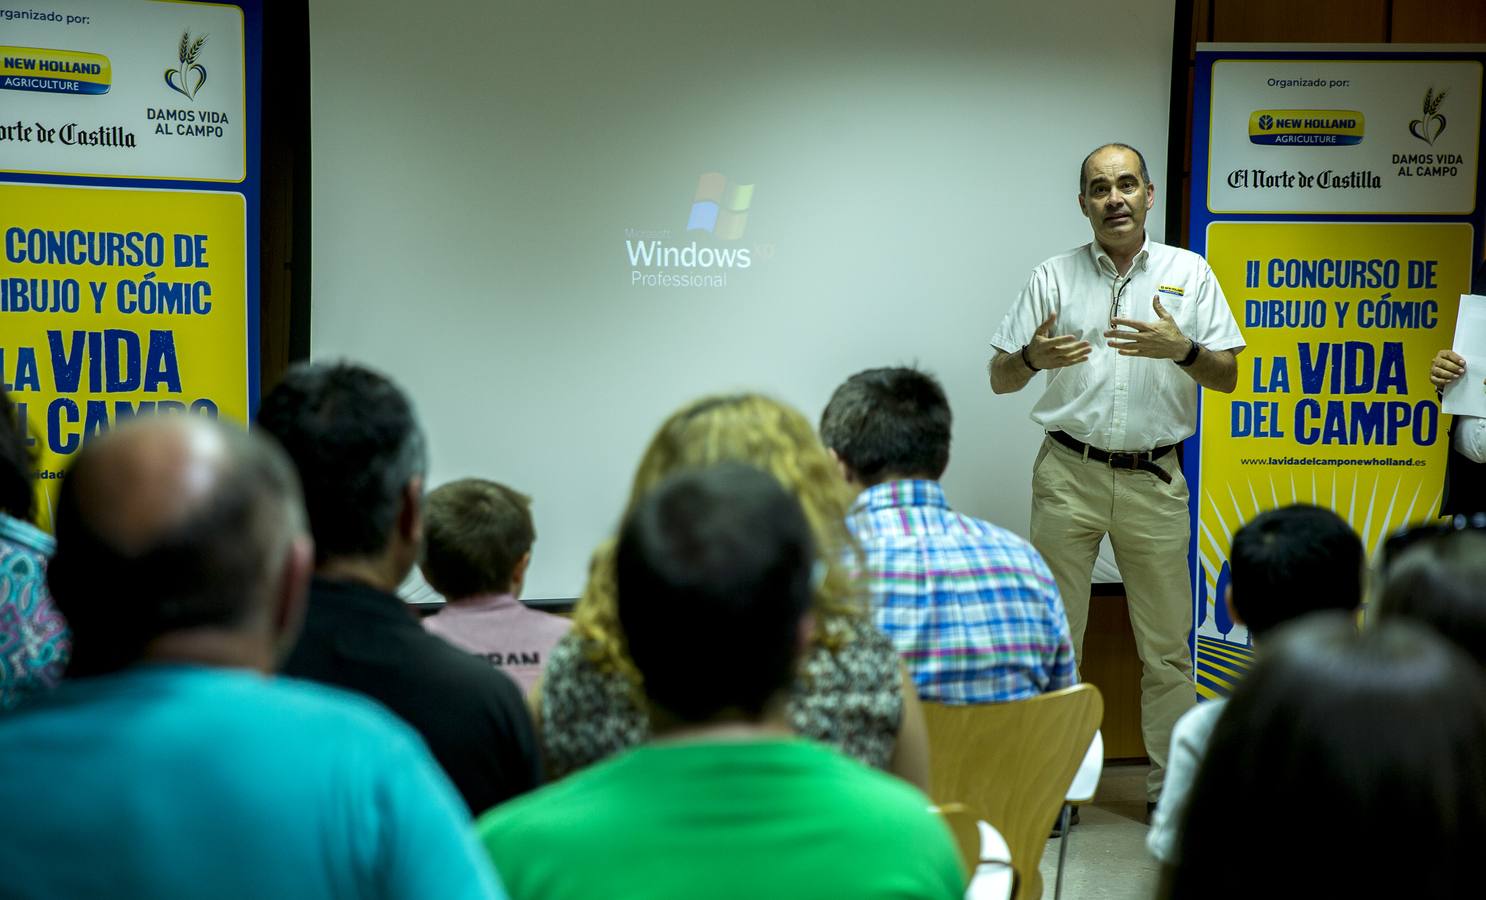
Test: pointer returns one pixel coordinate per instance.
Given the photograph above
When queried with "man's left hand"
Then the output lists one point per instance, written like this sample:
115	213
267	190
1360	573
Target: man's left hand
1160	339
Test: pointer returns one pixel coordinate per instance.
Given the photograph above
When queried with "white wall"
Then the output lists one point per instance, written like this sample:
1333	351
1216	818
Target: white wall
476	166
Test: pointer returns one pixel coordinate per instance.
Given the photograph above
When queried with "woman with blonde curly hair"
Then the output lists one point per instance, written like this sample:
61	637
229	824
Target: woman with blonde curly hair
850	692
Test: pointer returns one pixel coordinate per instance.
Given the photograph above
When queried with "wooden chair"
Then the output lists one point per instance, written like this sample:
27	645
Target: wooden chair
1013	762
983	853
1085	783
961	823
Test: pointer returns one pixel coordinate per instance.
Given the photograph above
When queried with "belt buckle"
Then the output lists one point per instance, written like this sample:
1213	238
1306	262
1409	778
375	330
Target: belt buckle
1129	460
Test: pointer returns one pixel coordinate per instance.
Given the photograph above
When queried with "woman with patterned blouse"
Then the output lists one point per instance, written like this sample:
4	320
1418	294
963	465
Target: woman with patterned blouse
33	637
851	691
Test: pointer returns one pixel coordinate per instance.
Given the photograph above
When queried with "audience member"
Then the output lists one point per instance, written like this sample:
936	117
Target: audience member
167	765
1286	563
733	805
972	608
851	691
353	437
33	637
1345	765
476	547
1436	575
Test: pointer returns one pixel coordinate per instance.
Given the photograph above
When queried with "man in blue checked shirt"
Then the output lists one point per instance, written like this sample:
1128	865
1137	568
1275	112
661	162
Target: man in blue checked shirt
971	607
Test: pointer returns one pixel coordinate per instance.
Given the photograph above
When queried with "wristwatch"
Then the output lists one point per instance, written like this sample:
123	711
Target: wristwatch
1027	362
1191	356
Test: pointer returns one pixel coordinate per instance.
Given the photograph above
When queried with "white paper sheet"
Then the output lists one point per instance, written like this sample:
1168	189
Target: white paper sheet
1466	395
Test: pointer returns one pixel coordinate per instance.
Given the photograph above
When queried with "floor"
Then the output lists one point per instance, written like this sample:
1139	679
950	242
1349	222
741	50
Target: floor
1107	858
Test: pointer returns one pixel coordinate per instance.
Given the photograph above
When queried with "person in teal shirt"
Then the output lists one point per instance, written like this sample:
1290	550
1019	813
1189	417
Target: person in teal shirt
170	763
713	583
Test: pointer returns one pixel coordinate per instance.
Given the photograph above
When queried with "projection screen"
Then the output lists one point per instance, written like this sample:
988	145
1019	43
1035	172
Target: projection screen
554	223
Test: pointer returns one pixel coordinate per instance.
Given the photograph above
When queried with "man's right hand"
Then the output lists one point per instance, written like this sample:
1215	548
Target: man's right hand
1048	352
1446	367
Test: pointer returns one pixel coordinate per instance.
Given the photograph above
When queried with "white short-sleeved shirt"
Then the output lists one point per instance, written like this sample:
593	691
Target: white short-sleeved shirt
1110	401
1470	438
1189	739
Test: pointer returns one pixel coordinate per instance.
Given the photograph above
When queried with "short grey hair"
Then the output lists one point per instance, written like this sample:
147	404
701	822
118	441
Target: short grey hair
1145	172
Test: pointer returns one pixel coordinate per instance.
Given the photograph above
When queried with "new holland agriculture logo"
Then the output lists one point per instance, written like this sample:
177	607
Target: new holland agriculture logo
54	71
720	207
188	75
1306	127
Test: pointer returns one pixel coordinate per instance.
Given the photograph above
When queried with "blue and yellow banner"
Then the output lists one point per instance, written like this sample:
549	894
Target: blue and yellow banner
128	217
1343	261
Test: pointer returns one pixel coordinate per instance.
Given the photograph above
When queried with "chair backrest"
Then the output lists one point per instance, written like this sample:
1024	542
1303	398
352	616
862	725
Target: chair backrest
1013	762
962	826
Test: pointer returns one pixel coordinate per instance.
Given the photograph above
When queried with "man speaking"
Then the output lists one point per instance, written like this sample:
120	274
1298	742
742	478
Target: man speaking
1126	329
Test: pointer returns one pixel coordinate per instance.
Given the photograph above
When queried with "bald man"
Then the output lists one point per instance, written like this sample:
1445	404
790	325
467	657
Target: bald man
170	763
1127	329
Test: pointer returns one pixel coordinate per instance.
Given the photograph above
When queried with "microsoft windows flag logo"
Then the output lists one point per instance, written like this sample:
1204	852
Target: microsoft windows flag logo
720	207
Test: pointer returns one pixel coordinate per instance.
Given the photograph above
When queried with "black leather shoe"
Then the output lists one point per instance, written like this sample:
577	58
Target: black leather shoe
1058	822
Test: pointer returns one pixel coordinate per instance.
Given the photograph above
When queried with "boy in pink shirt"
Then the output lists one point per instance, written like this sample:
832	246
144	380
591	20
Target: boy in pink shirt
477	546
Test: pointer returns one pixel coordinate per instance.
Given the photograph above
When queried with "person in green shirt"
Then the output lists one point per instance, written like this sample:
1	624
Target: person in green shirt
713	580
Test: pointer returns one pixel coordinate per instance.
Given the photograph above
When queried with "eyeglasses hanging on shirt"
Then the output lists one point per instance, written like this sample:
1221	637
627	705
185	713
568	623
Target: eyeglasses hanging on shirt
1117	293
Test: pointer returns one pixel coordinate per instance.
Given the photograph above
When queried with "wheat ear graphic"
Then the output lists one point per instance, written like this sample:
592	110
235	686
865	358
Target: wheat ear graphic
1432	101
187	53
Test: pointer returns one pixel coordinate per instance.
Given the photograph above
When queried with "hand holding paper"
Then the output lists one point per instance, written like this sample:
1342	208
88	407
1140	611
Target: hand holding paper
1465	396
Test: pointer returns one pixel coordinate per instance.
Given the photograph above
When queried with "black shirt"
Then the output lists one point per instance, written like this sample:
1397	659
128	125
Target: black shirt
471	716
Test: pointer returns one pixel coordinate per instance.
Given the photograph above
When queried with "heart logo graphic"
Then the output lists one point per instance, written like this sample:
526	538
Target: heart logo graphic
1428	129
1431	122
187	77
181	86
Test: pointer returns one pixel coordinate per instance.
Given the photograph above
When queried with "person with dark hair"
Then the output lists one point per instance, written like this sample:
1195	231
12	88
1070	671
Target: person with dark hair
1380	733
34	642
1437	578
167	765
476	547
356	443
1127	329
727	791
1286	564
971	608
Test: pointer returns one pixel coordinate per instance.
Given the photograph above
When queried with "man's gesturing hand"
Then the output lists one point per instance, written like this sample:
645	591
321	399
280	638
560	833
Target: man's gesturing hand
1047	352
1160	339
1446	367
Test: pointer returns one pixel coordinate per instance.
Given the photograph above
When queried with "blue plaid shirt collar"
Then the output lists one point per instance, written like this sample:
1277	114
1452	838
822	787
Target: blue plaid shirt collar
895	494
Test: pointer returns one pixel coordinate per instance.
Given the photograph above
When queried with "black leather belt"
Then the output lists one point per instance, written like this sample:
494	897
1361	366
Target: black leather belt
1143	460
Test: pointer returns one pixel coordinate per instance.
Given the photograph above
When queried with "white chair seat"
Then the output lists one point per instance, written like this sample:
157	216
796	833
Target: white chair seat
1086	781
992	881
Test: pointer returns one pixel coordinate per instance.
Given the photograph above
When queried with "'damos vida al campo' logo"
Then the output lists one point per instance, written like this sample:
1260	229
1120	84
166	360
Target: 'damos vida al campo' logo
54	71
1433	163
1306	127
188	75
1431	124
719	208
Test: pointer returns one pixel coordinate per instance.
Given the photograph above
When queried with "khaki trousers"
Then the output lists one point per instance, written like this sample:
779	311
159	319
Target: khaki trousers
1075	502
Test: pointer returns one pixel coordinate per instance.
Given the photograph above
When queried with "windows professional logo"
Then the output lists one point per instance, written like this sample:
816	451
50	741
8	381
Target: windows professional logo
720	207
